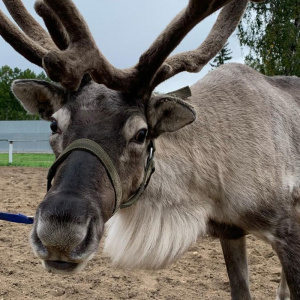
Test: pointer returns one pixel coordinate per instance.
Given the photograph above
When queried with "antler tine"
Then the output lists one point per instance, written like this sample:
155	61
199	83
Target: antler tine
28	24
21	42
169	39
53	24
194	61
82	55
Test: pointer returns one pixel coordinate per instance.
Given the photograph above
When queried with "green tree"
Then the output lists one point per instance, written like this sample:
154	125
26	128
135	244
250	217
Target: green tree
223	56
271	31
10	107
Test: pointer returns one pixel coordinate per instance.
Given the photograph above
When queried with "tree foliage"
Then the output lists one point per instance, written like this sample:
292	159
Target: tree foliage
10	107
223	56
271	30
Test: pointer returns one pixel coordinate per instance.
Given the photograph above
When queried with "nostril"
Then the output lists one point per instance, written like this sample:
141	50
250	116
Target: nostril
37	245
86	241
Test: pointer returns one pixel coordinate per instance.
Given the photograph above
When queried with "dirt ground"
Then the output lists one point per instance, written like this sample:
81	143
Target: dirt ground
200	274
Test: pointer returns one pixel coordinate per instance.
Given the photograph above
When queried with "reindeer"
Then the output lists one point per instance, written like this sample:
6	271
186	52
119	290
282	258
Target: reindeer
232	171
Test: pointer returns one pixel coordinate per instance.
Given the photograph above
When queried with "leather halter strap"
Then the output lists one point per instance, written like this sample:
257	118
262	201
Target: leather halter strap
99	152
149	170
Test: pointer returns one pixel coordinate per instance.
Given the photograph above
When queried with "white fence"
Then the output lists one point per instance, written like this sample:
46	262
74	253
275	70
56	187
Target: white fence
24	137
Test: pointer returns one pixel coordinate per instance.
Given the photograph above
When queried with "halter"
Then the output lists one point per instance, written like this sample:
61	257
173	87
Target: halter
99	152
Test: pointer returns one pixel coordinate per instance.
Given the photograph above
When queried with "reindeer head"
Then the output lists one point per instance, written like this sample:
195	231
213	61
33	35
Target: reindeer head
114	110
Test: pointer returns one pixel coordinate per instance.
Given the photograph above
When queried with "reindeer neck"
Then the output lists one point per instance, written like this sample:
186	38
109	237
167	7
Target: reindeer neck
169	206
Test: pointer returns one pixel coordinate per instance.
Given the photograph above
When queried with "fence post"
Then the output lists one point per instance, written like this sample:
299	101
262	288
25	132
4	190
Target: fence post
10	152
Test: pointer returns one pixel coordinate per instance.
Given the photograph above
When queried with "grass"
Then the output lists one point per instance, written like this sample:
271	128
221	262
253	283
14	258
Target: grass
28	160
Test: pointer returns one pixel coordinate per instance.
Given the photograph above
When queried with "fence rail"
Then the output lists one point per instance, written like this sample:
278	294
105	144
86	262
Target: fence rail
27	136
11	146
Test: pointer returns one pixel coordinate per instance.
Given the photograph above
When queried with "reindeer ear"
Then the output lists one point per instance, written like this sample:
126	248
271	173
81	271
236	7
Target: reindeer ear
39	97
182	93
168	113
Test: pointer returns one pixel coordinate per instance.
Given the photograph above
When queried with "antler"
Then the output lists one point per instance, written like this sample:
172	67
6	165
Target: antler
54	26
194	61
83	56
80	54
18	40
28	24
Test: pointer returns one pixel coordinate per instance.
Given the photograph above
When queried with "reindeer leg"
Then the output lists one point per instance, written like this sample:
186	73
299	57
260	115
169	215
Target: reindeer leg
234	251
287	246
283	292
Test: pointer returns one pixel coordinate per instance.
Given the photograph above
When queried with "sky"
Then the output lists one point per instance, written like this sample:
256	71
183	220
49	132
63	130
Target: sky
123	30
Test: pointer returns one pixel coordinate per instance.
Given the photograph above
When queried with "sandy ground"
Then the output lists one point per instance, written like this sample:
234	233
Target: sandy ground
200	274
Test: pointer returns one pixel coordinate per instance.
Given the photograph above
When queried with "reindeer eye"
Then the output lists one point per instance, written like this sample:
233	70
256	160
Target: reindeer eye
53	126
140	136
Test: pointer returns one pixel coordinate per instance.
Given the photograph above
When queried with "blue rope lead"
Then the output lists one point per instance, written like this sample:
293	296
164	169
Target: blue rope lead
16	218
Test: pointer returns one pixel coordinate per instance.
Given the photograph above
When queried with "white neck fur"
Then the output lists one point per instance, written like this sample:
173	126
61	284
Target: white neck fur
161	226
